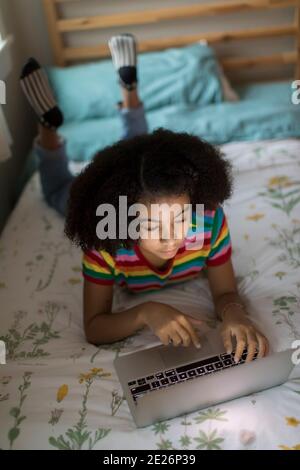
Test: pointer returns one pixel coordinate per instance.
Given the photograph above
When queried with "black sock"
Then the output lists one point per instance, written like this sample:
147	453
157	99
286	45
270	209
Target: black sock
35	85
123	49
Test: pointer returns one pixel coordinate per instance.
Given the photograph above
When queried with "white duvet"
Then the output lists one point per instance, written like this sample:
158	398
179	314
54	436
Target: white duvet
59	392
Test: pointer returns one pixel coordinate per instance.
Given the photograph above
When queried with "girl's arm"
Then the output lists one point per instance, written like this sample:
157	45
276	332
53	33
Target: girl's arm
235	320
100	324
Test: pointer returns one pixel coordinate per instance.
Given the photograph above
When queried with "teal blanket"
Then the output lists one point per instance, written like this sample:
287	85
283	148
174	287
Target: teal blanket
265	111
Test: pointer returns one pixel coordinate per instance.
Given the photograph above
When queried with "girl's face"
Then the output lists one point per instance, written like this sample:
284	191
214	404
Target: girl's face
162	232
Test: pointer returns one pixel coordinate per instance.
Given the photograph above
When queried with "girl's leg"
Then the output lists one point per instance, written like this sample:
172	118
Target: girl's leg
132	114
55	176
124	54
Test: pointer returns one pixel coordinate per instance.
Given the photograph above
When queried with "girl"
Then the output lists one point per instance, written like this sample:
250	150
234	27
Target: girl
159	168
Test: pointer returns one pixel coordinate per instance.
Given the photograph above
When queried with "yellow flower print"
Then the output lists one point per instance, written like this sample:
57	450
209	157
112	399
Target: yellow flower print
291	421
95	372
76	269
280	274
74	281
296	447
282	181
62	393
82	378
255	217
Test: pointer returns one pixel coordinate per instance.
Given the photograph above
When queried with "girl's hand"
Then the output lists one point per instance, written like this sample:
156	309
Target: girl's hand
236	324
170	324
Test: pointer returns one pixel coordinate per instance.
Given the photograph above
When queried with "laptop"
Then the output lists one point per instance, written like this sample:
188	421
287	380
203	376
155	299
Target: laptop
163	382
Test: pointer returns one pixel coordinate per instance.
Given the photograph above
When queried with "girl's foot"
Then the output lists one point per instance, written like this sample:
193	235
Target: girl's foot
123	49
35	85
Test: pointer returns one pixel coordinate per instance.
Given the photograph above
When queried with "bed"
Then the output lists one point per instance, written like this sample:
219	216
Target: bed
59	392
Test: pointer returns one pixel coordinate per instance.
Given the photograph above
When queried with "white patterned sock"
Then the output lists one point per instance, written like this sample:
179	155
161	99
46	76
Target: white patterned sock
123	50
35	85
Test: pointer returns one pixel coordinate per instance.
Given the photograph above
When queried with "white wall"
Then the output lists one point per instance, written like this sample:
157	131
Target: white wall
32	29
25	21
17	114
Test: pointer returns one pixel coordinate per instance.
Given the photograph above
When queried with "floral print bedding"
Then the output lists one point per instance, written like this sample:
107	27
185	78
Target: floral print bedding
59	392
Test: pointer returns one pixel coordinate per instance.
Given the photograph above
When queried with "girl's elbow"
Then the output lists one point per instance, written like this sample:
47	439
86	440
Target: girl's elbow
90	336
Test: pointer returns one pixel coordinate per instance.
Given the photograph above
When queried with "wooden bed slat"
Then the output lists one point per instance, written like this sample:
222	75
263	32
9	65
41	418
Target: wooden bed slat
273	59
102	51
56	39
166	14
58	27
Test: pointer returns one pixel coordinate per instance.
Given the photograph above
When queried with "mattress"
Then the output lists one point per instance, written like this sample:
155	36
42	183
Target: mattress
59	392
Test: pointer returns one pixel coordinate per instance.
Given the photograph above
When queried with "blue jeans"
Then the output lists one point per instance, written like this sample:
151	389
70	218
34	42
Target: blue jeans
55	175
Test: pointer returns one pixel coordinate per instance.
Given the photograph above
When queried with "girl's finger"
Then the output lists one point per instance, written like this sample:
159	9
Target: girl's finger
184	335
227	341
262	345
267	346
176	338
192	333
251	345
164	339
241	341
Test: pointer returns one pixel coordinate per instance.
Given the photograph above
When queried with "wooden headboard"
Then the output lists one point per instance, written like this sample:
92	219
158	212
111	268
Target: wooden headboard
64	55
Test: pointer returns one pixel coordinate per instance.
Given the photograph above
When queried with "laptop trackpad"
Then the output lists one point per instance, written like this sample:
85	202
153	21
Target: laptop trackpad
176	355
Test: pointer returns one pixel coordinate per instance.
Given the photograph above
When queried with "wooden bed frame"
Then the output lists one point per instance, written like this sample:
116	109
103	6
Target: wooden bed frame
65	55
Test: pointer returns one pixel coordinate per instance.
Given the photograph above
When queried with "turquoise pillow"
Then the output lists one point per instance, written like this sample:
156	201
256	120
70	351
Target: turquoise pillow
265	111
187	75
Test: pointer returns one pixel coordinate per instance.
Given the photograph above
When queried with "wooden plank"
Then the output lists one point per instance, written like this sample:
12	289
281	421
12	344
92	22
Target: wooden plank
249	62
55	36
101	51
64	55
235	3
240	80
228	63
166	14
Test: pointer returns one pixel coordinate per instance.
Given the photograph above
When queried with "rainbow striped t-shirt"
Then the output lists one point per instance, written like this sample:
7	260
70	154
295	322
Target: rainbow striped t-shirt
130	269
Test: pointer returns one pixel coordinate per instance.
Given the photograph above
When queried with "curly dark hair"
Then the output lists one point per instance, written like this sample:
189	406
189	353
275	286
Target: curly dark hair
163	163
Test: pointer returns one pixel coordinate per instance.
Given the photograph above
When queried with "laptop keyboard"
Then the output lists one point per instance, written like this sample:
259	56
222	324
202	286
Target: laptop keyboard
169	377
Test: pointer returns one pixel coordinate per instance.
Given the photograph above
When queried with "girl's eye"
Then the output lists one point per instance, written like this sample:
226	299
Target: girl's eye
181	221
149	228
